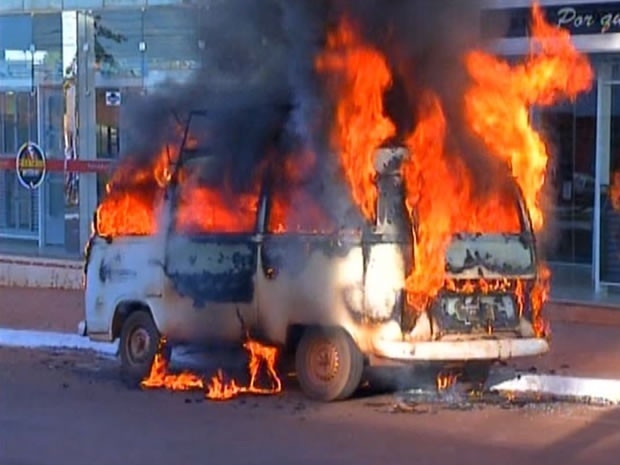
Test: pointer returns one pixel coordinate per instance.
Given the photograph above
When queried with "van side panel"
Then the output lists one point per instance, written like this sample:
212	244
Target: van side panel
126	269
210	287
316	281
212	268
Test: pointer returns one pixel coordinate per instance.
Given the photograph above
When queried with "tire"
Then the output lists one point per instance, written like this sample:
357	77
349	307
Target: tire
345	364
139	342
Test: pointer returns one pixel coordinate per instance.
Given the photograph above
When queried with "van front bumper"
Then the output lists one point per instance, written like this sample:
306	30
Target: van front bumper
487	349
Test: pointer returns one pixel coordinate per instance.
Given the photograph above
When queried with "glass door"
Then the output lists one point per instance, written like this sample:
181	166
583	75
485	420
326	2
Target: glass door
569	129
608	269
51	111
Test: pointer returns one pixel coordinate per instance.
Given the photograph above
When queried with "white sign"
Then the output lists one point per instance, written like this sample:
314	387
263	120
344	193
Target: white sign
113	98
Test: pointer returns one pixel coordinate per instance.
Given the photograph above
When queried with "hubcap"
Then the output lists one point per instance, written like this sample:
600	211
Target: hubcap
139	345
324	361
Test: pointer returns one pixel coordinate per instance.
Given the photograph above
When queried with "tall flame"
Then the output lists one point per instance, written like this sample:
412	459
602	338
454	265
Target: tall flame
440	196
361	127
133	195
498	105
497	109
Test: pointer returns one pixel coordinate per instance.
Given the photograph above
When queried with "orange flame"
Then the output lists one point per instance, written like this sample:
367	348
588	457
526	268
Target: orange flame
498	105
440	196
614	190
441	192
133	196
497	108
361	127
160	378
202	208
292	208
260	355
445	381
218	388
538	296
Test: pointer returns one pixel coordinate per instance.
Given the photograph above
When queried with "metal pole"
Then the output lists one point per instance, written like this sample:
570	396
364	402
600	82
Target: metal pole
601	175
86	120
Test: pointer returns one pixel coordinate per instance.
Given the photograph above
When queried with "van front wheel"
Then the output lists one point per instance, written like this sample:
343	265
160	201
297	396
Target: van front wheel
329	364
139	341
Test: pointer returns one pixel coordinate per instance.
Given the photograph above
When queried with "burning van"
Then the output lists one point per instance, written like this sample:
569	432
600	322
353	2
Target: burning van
334	297
386	214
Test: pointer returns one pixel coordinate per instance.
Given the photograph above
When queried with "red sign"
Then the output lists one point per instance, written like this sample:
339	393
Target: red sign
7	163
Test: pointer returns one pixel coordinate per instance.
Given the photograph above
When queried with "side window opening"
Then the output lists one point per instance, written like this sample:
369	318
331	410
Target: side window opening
294	210
208	206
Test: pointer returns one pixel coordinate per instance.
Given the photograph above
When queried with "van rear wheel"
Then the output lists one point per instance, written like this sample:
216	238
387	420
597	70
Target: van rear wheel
139	342
329	364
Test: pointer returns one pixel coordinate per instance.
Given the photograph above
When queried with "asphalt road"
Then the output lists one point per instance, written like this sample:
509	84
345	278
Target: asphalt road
60	408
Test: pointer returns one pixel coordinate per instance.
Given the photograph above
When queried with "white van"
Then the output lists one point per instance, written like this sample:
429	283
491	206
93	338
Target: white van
334	299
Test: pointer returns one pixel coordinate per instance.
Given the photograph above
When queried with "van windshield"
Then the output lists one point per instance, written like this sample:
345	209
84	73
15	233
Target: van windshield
505	250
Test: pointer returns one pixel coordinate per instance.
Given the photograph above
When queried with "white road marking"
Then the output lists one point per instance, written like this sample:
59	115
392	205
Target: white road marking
563	386
31	339
47	339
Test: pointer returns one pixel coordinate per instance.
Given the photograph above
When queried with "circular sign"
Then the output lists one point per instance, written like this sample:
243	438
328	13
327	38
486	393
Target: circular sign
30	165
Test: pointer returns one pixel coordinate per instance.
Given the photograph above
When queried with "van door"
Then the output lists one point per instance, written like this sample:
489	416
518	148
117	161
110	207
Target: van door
210	260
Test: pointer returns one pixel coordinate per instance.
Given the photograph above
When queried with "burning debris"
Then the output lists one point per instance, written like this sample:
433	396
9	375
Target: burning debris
218	388
446	380
361	75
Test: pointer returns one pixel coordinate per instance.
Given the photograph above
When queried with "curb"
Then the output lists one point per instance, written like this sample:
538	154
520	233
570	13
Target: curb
40	272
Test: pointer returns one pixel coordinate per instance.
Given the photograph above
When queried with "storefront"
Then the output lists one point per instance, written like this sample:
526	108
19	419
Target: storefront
65	77
583	136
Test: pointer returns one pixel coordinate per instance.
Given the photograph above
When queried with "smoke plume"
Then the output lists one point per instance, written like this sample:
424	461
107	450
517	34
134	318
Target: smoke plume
263	97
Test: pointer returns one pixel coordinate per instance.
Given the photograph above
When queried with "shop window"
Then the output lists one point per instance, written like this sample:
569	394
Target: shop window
610	216
569	129
171	38
118	35
18	206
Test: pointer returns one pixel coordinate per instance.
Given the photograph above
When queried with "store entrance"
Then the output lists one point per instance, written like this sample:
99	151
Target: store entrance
609	153
570	132
51	130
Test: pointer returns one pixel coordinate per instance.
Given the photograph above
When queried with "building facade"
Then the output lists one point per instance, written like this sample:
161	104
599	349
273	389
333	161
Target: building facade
583	136
67	67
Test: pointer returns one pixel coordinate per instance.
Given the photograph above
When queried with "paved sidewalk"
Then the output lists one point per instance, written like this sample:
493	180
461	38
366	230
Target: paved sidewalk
41	309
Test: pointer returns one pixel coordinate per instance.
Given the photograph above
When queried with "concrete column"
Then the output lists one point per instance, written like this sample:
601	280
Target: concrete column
86	120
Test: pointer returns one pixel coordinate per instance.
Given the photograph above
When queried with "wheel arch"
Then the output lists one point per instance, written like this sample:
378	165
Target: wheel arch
295	332
123	309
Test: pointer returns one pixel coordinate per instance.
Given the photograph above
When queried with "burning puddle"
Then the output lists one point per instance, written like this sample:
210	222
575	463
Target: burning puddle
261	367
431	394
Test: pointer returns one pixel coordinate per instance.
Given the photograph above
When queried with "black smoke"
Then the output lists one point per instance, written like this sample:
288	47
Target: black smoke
263	98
